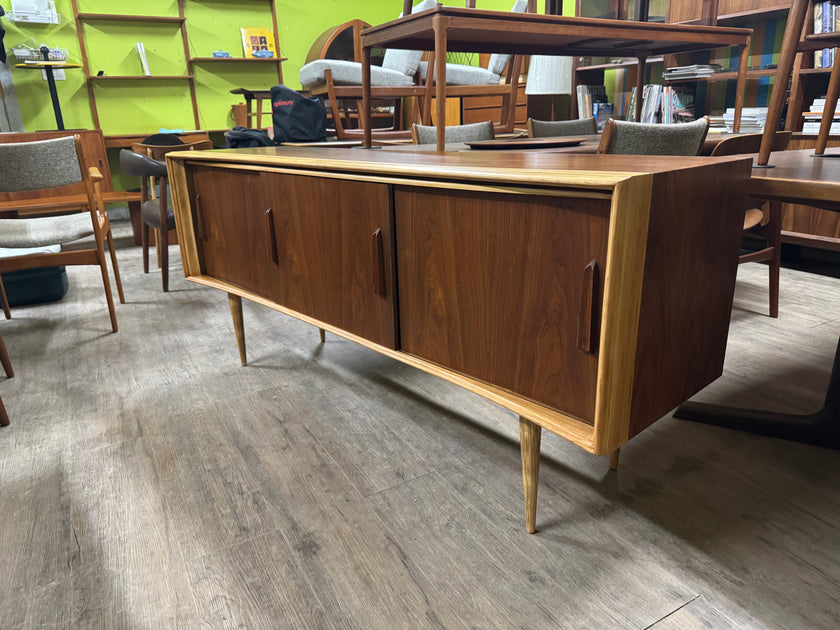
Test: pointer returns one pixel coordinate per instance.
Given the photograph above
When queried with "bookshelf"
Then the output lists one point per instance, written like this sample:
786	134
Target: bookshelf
122	99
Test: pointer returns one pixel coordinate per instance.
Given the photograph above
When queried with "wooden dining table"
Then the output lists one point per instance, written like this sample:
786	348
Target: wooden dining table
795	177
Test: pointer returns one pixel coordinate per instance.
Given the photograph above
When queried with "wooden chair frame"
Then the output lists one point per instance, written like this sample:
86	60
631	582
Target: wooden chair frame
93	204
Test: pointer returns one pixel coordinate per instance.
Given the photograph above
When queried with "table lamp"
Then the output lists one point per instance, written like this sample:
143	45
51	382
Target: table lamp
548	75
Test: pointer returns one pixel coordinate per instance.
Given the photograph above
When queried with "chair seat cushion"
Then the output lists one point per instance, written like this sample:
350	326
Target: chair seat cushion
457	74
349	73
37	232
150	211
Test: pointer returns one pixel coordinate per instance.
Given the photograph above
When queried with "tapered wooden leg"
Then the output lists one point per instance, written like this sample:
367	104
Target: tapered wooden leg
614	459
106	281
144	243
4	359
323	334
4	417
163	243
5	301
529	438
235	303
113	253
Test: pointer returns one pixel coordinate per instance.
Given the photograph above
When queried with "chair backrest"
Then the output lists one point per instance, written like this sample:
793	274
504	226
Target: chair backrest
631	138
427	134
498	62
157	152
750	143
554	128
407	61
40	164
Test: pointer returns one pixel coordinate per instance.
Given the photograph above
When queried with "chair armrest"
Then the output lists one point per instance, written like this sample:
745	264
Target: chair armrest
95	174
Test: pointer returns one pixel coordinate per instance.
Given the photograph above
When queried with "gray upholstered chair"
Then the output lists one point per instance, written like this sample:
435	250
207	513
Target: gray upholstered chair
631	138
464	75
39	166
557	128
398	70
146	161
426	134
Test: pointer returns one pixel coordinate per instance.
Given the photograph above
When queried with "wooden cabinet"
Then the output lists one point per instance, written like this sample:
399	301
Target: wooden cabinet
480	108
334	244
480	272
232	214
574	290
569	288
323	247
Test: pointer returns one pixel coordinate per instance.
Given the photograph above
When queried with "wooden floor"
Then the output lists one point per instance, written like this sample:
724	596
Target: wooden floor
149	481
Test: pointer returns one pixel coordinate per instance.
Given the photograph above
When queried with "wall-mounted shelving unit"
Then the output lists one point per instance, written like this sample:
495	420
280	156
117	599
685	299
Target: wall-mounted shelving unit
181	67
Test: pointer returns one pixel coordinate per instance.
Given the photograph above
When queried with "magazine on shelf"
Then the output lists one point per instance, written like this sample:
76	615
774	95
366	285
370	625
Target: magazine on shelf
258	43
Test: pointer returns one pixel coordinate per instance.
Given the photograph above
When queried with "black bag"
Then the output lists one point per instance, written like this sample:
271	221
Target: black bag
297	118
244	138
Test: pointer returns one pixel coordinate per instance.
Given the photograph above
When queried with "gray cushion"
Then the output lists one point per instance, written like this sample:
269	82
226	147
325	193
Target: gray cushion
497	62
45	230
406	61
350	73
398	66
554	128
38	165
458	74
644	139
427	134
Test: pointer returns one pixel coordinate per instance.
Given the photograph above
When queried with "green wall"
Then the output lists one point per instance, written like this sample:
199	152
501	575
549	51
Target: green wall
143	106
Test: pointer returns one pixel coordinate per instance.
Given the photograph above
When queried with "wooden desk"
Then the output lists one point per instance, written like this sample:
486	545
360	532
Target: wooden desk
796	178
444	29
567	288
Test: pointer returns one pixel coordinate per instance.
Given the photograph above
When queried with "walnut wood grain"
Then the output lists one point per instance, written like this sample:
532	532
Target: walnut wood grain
324	238
695	276
490	285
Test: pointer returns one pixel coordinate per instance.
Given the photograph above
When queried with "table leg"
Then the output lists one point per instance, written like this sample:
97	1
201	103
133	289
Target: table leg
821	428
235	303
529	438
364	115
59	120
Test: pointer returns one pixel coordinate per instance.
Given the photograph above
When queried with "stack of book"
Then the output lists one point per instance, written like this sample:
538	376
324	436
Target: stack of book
591	99
691	72
717	124
813	117
826	20
752	119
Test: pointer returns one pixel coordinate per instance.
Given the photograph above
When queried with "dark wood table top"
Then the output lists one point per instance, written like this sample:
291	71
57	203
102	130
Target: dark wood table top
799	177
477	30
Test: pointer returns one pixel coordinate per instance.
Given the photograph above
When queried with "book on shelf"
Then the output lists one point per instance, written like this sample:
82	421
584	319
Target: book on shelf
691	72
258	43
752	119
826	20
587	97
144	62
814	127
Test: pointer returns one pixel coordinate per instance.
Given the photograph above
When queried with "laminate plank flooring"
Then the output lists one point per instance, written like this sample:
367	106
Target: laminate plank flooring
150	481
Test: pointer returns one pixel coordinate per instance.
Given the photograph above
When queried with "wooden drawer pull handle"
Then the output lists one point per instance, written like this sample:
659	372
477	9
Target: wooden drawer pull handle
586	327
272	237
199	219
378	263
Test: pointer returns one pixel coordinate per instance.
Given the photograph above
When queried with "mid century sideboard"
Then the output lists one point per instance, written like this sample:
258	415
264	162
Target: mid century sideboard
588	294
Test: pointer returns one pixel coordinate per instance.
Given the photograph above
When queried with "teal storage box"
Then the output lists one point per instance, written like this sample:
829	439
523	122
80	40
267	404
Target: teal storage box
34	286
